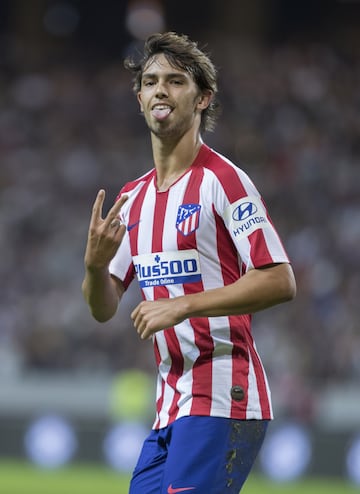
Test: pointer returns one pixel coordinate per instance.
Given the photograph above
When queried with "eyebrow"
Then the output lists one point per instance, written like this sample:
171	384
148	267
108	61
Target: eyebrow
153	75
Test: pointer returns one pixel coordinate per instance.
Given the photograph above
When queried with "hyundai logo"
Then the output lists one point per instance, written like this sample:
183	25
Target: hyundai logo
244	211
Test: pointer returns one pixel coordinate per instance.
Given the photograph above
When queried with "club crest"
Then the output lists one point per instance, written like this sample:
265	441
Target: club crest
188	218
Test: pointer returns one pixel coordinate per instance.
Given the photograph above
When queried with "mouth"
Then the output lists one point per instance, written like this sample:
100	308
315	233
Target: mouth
161	111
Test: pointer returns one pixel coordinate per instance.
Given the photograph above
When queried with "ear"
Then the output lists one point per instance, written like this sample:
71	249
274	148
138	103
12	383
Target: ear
140	102
205	99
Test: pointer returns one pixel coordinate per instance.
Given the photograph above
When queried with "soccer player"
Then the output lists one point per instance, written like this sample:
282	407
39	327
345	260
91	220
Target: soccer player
196	234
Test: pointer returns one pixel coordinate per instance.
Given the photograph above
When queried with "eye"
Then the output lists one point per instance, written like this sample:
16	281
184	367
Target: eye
177	82
148	81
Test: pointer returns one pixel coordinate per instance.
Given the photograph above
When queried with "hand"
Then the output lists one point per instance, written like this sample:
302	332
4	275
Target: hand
105	235
152	316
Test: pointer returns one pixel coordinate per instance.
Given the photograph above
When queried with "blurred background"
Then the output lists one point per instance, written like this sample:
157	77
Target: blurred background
289	76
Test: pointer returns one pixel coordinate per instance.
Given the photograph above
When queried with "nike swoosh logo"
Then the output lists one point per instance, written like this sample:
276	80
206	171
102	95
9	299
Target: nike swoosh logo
171	490
133	225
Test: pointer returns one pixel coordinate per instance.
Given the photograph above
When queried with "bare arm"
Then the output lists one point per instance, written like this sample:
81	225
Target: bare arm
257	290
101	291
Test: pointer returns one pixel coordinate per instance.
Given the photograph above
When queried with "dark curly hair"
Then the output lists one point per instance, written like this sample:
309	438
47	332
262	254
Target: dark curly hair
183	54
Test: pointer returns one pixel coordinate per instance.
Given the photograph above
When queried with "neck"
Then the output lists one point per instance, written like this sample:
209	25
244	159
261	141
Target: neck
173	157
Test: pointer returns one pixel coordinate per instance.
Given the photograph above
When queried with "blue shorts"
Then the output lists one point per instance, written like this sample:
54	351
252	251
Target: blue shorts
198	455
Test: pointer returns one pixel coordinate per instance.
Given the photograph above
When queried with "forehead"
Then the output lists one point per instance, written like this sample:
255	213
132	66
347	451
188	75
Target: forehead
160	64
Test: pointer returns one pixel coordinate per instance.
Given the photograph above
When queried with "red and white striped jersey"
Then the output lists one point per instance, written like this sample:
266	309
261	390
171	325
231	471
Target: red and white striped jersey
207	230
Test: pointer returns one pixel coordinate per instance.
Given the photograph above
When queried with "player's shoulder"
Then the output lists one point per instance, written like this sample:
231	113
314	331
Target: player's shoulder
222	167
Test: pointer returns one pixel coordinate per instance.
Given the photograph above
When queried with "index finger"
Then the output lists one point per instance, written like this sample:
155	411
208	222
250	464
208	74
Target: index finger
116	208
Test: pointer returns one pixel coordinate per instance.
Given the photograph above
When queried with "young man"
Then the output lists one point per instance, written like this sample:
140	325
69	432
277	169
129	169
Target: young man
195	232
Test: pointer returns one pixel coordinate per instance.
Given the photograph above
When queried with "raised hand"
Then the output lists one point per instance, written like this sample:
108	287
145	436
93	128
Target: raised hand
105	234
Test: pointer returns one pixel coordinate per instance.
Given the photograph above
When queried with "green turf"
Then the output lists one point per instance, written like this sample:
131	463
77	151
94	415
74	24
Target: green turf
22	478
307	486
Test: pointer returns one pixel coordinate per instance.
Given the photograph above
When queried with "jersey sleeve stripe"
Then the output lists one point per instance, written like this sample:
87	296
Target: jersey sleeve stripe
259	245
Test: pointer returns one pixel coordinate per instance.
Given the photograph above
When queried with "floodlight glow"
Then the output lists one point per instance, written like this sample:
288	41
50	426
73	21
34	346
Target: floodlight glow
286	453
353	461
144	17
50	442
122	445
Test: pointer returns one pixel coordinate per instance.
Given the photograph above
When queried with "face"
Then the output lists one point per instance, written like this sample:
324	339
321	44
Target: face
170	99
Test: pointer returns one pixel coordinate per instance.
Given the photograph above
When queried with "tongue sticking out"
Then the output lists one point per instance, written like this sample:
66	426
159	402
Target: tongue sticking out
161	113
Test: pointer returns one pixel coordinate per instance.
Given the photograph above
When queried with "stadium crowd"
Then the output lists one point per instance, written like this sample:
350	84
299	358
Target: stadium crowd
290	118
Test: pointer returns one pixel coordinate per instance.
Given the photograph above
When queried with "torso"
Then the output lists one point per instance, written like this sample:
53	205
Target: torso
180	244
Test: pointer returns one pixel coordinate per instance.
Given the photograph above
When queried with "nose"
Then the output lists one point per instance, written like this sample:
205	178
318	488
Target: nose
161	90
